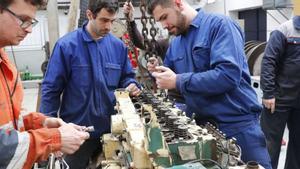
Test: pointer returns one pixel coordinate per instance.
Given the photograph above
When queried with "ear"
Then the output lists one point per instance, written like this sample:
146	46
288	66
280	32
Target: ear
178	4
89	15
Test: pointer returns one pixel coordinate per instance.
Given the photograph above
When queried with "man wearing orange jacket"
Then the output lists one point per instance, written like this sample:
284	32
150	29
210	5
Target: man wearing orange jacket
25	139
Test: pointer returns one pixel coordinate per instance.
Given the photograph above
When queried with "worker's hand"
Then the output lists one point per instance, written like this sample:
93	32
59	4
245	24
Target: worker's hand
269	104
152	64
128	10
133	89
52	122
165	77
71	138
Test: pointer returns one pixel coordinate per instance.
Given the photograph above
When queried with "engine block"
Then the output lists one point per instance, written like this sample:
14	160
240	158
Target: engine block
150	132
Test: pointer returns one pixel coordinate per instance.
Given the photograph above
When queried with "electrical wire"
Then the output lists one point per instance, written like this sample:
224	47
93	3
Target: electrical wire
14	56
203	160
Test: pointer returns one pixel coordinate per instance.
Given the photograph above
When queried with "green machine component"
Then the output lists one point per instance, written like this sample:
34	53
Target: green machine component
180	151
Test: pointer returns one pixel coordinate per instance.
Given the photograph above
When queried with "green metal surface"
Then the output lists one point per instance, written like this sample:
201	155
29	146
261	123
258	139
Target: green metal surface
176	157
200	149
156	143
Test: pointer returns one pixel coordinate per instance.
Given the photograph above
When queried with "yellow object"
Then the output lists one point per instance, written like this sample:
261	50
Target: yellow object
296	7
111	144
117	124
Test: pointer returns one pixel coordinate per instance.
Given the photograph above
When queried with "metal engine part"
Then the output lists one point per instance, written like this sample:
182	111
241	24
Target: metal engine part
149	132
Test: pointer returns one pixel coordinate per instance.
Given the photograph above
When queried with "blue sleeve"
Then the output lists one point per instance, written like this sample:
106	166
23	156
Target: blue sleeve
226	56
54	81
128	75
274	50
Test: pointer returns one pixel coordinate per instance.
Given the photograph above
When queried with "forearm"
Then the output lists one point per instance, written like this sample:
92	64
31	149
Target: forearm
22	149
42	142
136	36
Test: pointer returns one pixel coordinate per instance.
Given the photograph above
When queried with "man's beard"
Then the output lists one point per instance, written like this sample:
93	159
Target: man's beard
99	33
180	24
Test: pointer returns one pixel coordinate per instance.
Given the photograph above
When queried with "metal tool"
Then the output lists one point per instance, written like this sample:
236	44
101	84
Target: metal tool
89	129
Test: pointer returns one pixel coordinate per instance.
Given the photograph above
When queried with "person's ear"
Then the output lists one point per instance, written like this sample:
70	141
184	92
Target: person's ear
89	14
178	4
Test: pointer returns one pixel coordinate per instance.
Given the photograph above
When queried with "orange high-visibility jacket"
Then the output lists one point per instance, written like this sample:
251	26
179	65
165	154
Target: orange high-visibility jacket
23	141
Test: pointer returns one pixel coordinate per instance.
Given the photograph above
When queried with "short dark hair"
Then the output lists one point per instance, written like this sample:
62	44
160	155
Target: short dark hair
151	4
6	3
95	6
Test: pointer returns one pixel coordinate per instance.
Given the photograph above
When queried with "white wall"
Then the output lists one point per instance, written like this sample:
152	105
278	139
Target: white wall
238	5
232	7
217	6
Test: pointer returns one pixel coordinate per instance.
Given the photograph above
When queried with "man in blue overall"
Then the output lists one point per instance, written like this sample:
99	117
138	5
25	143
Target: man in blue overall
85	68
206	62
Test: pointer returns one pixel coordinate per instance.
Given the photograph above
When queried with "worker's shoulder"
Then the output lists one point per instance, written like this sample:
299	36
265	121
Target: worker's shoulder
212	21
71	37
216	17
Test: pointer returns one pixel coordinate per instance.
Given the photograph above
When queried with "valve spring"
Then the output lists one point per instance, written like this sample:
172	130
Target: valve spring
155	102
182	131
163	111
148	97
170	121
158	112
176	130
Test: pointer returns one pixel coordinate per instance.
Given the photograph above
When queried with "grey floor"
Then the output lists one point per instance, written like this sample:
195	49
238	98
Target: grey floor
30	101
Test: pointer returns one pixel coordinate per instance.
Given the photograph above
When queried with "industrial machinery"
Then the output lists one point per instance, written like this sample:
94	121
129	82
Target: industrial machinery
150	132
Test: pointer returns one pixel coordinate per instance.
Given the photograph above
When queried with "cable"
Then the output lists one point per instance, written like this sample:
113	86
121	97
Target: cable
203	160
14	57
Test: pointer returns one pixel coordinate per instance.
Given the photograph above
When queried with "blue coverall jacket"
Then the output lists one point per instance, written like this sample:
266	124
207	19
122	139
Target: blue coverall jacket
213	76
212	72
81	78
